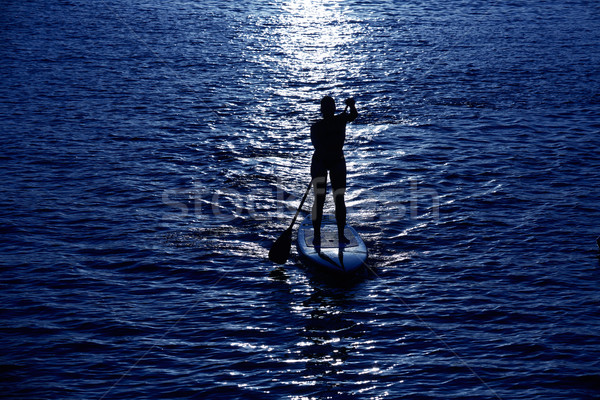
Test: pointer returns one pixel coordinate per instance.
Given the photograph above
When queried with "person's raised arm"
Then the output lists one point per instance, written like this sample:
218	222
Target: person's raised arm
353	113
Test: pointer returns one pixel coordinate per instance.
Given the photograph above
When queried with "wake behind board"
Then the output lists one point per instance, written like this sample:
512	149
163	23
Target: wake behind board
330	255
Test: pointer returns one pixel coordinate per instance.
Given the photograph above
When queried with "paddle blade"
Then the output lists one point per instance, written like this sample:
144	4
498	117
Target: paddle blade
280	251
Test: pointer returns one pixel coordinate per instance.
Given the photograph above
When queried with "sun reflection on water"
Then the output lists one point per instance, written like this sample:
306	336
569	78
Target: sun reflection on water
315	41
307	49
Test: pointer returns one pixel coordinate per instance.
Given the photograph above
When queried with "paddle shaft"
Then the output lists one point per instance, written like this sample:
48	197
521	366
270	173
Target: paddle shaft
301	204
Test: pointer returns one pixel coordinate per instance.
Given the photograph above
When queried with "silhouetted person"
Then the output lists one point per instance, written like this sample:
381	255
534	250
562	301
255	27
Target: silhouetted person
327	136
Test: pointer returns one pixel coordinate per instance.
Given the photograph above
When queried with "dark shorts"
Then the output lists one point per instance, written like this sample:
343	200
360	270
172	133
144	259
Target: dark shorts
337	172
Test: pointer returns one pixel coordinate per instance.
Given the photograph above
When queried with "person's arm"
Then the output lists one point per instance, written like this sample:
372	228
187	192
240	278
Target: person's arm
314	137
353	113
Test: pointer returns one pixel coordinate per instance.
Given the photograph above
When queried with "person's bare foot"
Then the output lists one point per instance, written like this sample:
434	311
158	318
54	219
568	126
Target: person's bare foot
343	241
317	242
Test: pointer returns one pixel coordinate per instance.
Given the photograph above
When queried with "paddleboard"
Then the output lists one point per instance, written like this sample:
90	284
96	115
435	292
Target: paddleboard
330	255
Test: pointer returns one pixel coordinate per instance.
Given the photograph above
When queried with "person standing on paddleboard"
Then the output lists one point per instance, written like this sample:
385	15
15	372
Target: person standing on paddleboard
328	135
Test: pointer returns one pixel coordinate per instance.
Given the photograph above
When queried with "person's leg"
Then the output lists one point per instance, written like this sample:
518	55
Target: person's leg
338	183
319	176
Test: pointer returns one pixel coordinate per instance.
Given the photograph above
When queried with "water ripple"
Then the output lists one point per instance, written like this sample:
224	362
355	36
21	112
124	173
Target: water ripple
152	152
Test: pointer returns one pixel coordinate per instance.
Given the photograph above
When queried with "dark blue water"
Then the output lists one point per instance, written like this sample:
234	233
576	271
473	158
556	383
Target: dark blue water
151	151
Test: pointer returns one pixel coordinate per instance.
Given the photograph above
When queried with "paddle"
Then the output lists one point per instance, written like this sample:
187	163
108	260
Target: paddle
280	251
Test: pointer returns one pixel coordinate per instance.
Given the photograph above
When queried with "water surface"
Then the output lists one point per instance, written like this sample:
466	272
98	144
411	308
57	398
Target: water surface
152	151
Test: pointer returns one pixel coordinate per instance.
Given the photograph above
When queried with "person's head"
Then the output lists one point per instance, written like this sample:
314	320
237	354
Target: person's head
327	106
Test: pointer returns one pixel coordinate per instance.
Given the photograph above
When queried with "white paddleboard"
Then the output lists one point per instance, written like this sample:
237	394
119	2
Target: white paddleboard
330	255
